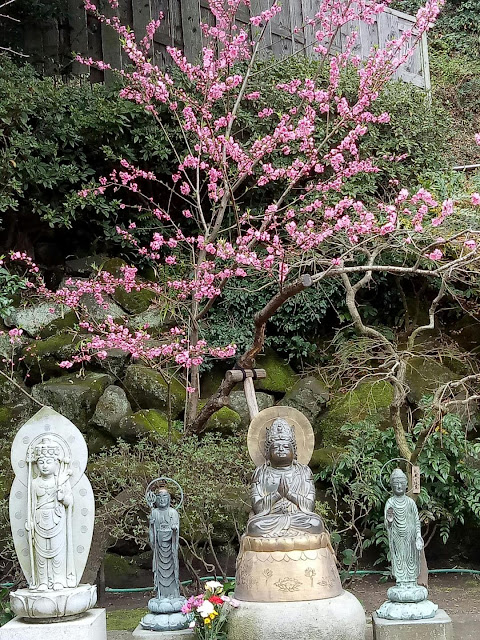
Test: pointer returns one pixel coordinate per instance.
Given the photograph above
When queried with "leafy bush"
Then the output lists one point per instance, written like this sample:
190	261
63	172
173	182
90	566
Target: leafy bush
214	473
57	137
450	492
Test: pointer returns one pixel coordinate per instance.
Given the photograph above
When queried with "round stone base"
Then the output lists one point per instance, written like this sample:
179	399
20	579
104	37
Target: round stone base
407	610
340	618
166	605
165	621
410	593
49	605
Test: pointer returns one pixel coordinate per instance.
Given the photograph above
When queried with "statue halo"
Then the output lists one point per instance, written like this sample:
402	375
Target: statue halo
303	433
388	462
150	496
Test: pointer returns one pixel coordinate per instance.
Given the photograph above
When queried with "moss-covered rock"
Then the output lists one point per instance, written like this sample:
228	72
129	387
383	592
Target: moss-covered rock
149	423
111	408
147	389
153	321
424	376
115	362
370	399
42	320
238	403
225	420
15	406
325	457
308	395
98	440
131	301
42	357
73	396
134	301
212	379
280	375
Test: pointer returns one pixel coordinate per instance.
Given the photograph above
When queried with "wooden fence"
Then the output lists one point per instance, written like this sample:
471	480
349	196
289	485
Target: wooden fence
50	45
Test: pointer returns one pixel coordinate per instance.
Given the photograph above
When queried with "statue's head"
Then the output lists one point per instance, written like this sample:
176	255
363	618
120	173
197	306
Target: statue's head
47	455
280	444
162	500
398	482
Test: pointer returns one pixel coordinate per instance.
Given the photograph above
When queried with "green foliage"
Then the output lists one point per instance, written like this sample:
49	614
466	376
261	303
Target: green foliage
10	285
450	481
213	472
54	139
6	613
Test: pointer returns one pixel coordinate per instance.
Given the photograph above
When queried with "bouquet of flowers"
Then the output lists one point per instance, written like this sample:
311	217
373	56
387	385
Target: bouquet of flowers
210	611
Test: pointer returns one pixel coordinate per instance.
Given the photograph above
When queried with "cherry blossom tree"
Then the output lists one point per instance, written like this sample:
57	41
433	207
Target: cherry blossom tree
208	232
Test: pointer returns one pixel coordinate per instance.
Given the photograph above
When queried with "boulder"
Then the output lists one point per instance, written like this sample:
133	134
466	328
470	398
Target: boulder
42	357
73	396
16	407
153	321
466	333
149	423
84	266
212	379
7	349
99	312
370	399
44	319
224	421
308	395
98	440
425	375
147	389
325	457
280	375
238	403
132	301
112	407
115	362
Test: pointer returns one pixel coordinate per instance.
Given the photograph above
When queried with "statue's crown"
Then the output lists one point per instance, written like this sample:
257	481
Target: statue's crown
280	430
47	448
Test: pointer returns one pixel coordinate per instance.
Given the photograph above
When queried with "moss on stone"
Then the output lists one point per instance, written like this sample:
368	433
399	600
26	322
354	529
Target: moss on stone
119	570
147	422
225	420
280	375
148	390
371	399
114	266
42	357
72	396
134	301
98	440
425	375
325	456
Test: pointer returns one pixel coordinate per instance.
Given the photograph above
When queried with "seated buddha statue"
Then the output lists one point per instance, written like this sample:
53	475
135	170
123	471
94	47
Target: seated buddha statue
285	554
283	493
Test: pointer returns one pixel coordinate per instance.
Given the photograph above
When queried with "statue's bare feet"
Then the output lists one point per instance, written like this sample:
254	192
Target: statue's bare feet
42	587
58	586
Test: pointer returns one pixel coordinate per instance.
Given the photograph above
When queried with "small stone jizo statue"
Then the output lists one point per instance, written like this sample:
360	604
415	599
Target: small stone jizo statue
164	527
407	600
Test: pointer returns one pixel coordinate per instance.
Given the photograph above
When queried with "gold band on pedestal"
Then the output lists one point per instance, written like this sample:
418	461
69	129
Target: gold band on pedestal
280	573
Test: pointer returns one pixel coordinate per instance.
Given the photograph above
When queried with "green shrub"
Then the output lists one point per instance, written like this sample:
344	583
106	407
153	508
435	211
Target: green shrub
450	492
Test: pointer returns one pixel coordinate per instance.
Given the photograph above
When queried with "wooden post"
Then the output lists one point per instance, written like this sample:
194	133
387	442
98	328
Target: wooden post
248	375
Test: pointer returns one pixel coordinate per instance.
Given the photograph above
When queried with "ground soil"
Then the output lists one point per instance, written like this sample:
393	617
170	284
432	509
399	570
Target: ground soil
457	594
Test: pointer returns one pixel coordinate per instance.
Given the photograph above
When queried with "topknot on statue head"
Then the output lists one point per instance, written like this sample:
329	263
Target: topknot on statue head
280	430
398	474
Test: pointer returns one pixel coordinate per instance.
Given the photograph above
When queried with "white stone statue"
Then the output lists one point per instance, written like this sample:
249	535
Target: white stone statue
52	515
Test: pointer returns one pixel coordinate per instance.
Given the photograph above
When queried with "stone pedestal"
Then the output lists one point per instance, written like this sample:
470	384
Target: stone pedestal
38	605
439	627
339	618
144	634
90	626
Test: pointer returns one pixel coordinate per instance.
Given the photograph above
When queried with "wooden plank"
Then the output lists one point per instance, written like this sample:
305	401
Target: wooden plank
94	46
125	13
266	47
34	46
111	48
51	44
142	15
236	375
191	32
77	19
